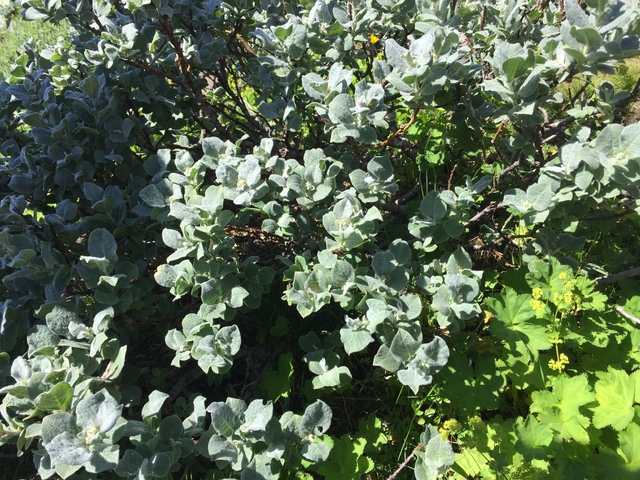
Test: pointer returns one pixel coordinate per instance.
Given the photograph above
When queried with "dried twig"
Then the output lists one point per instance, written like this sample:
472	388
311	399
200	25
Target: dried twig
406	462
616	277
627	315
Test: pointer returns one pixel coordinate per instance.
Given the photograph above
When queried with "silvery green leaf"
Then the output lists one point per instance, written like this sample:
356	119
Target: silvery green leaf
297	41
339	78
315	451
154	404
257	416
354	340
384	263
414	377
316	418
57	423
340	109
223	419
539	196
260	466
20	370
98	411
101	244
160	464
66	449
575	14
171	428
310	342
129	464
422	49
342	273
437	456
367	95
235	297
385	359
103	459
404	345
458	261
396	55
435	354
229	339
175	340
333	378
320	13
432	206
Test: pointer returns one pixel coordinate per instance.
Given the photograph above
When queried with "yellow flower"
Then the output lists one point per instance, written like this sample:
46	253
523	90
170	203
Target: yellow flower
536	304
559	364
569	285
537	293
563	276
373	39
567	297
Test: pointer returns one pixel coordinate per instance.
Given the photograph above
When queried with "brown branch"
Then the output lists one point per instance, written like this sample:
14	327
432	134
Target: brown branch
406	462
401	130
623	102
616	277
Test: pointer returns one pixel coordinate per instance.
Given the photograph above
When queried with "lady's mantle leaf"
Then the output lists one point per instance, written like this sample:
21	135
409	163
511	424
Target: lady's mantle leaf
515	321
615	391
560	408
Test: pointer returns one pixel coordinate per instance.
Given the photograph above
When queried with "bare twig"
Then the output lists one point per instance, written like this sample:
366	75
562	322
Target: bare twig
627	315
406	462
616	277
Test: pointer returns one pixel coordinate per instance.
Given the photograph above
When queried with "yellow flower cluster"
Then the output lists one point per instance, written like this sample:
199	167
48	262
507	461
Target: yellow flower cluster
536	304
560	363
537	293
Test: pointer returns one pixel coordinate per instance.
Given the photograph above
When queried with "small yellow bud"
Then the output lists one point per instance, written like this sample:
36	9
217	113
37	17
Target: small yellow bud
537	293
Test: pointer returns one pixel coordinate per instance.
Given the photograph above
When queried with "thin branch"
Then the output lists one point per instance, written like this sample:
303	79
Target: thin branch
623	102
489	208
406	462
398	205
616	277
627	315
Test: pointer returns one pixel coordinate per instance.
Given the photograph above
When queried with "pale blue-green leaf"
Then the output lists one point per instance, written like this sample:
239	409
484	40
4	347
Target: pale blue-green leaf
257	416
66	449
404	345
575	15
340	109
171	428
160	464
354	340
414	377
57	423
316	418
223	419
98	411
154	404
396	55
129	464
315	451
539	195
333	378
101	244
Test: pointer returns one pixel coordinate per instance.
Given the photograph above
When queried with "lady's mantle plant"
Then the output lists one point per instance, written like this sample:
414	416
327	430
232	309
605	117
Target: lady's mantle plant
187	165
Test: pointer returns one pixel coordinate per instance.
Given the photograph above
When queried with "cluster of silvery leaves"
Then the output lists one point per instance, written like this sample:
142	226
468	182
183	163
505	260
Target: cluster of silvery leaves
70	140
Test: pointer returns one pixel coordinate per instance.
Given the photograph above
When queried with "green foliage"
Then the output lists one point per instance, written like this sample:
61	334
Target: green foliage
217	214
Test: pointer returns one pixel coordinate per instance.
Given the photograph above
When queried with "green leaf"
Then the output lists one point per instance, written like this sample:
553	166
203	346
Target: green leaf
560	408
515	321
614	392
58	398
